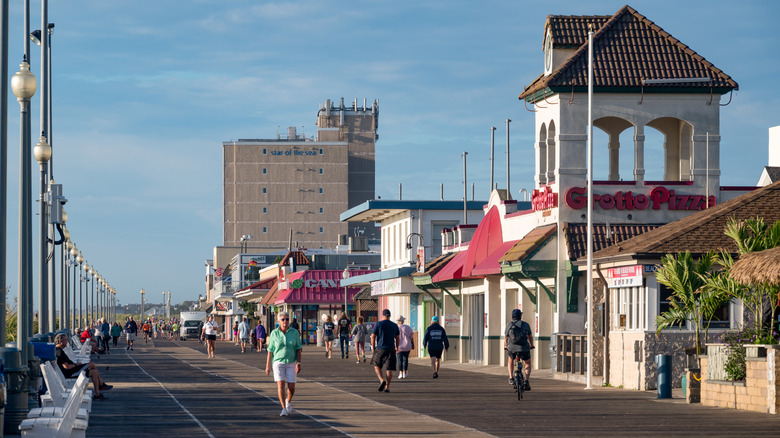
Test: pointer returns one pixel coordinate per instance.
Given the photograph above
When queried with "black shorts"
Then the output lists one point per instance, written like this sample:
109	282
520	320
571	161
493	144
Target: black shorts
211	337
524	355
384	356
435	353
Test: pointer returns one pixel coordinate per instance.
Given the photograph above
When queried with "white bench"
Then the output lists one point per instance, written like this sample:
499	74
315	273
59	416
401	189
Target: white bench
58	392
61	426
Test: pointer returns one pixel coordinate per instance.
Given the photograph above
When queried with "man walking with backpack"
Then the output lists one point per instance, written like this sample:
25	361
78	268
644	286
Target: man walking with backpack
518	341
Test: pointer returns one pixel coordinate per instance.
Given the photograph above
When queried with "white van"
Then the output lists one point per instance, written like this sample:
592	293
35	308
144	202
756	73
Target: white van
190	323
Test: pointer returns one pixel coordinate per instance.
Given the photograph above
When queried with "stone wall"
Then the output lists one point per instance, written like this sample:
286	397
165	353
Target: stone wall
639	371
757	393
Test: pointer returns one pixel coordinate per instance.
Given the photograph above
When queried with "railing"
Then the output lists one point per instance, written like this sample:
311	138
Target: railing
571	353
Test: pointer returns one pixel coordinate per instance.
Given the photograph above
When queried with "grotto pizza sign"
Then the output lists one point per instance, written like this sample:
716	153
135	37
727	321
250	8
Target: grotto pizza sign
660	198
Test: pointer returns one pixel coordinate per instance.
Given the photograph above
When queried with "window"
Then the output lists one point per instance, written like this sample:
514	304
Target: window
265	190
265	229
265	151
265	171
628	308
721	318
322	230
265	210
664	303
322	210
322	190
321	151
322	170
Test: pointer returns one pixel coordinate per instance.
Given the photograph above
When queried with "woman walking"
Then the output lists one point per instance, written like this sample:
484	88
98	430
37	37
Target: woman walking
284	350
405	346
359	332
210	329
116	332
327	334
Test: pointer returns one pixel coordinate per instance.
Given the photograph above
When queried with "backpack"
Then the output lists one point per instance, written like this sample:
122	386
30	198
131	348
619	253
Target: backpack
516	334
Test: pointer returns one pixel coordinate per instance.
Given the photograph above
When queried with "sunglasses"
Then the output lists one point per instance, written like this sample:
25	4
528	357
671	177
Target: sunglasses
284	319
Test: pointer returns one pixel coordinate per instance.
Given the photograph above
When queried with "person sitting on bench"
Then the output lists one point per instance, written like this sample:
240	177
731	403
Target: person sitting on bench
70	369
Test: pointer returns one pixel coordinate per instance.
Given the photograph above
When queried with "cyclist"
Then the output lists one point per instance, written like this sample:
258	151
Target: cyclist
518	341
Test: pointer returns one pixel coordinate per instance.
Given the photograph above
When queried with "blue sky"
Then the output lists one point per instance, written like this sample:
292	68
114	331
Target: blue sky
146	91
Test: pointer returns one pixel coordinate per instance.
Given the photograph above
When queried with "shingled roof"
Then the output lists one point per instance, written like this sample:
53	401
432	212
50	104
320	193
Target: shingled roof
702	231
627	49
577	236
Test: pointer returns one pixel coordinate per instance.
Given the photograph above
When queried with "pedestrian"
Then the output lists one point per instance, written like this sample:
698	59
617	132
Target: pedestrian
235	332
70	369
116	332
175	331
327	334
294	324
131	328
243	334
359	332
260	334
436	341
384	342
210	329
405	346
105	330
344	329
147	328
284	349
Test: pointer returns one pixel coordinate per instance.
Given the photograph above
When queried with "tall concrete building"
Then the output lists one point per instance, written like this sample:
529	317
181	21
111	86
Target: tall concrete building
273	186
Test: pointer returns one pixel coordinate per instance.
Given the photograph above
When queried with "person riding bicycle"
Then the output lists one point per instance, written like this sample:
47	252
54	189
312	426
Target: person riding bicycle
518	341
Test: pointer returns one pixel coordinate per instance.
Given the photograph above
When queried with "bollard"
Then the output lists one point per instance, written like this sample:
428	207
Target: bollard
664	364
16	378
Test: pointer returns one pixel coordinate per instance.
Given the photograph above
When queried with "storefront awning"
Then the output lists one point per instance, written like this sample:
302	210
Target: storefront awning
257	290
490	264
453	270
270	297
317	287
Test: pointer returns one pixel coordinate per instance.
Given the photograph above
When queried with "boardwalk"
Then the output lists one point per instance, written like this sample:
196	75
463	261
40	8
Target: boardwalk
171	389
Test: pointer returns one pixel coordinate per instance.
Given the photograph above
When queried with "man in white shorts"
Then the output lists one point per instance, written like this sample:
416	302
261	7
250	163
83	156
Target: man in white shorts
284	348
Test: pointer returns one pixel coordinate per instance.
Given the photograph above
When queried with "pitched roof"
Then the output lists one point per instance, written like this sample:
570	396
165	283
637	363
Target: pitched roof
702	231
627	49
528	244
773	173
299	256
571	31
577	236
436	265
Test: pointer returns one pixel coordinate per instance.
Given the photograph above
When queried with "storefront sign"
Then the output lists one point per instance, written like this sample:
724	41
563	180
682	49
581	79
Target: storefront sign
543	199
659	196
451	320
420	259
625	276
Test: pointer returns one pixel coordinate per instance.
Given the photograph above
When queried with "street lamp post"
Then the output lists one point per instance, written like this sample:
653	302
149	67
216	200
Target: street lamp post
42	153
344	276
143	292
23	85
74	253
86	294
3	162
92	297
80	260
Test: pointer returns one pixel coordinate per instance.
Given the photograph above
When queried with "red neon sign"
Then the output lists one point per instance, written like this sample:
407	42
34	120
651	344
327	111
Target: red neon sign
576	199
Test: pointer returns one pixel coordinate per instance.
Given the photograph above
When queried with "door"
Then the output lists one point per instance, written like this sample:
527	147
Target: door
476	326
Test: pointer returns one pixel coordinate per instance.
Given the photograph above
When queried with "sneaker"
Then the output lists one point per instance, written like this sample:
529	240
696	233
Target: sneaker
347	356
527	386
364	359
99	397
284	412
382	386
289	407
435	375
358	361
105	387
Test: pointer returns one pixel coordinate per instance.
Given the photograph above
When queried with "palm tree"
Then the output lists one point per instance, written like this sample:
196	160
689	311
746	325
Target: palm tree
690	300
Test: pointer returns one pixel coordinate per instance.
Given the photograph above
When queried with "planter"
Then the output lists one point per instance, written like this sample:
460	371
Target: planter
692	385
756	350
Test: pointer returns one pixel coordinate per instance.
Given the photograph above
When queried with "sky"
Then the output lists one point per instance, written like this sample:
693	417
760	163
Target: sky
145	92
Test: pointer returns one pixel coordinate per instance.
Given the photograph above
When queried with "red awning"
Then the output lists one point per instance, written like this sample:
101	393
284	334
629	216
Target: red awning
453	270
318	287
262	284
490	265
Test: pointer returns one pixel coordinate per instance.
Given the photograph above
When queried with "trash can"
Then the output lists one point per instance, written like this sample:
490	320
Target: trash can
664	364
16	380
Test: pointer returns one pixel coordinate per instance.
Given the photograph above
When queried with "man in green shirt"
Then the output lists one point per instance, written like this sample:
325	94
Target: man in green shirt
284	348
175	331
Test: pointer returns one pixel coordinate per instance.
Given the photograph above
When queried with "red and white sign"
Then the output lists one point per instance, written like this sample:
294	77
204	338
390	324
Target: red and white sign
420	259
543	198
576	198
625	276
